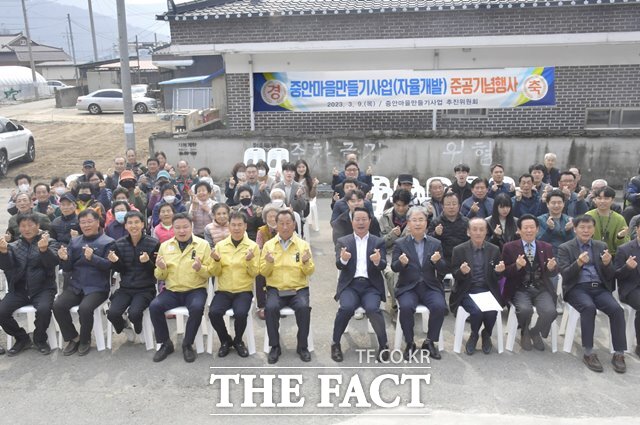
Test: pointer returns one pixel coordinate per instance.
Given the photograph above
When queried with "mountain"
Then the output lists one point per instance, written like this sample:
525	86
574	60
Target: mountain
48	24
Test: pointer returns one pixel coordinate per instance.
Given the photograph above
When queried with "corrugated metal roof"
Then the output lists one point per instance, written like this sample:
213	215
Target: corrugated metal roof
256	8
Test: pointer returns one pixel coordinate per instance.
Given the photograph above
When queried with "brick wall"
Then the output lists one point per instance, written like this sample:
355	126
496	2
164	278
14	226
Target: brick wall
577	88
540	20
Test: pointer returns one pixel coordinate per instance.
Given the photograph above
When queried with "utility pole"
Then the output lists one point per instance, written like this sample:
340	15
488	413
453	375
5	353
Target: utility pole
93	33
73	50
125	77
138	56
31	63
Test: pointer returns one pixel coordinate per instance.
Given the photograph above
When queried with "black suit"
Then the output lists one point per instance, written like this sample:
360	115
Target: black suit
342	226
353	292
463	286
418	284
586	297
629	279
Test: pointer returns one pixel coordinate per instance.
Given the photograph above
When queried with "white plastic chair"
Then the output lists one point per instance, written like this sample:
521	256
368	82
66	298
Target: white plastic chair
630	317
249	333
30	311
313	219
424	311
146	336
512	329
461	318
380	181
253	155
470	179
445	181
361	311
98	326
380	195
275	158
570	319
284	313
419	193
509	180
180	313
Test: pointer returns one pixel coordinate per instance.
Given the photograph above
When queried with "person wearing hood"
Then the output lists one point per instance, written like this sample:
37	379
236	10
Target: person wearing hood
169	196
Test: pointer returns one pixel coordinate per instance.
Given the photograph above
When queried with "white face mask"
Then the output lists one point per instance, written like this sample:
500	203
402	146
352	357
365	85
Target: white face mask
262	173
169	199
60	190
278	202
241	175
24	187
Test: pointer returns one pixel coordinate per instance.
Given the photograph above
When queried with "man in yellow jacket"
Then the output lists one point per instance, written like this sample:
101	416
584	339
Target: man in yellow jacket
286	263
236	262
184	263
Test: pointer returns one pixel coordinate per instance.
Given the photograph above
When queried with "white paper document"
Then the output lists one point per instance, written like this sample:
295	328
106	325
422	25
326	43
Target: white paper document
486	301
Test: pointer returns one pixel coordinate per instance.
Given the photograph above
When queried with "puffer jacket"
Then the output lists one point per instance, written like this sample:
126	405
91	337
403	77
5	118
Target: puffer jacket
89	276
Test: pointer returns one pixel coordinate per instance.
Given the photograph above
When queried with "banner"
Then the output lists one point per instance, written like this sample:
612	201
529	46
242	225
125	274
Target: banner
403	90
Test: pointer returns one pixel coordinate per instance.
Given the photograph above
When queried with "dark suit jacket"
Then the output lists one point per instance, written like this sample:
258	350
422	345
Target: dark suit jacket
515	277
568	254
348	271
628	279
342	226
412	274
464	253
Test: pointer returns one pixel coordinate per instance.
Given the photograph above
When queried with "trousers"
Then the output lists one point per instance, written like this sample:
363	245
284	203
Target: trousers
193	300
42	301
86	305
299	303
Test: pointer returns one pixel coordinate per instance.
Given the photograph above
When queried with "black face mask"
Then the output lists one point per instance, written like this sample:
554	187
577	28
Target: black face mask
245	202
128	184
84	197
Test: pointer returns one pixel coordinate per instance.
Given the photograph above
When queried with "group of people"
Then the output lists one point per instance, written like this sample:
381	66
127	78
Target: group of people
168	230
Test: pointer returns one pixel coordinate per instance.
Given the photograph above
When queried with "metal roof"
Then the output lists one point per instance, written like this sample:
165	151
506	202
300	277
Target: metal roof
196	79
218	9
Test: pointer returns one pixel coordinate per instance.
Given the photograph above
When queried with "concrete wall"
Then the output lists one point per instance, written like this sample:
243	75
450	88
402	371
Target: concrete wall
612	158
68	97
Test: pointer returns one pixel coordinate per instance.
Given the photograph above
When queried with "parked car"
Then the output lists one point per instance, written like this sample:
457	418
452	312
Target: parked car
57	84
16	142
111	100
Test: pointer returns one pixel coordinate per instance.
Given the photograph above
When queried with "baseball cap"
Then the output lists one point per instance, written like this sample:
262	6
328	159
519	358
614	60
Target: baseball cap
405	178
89	163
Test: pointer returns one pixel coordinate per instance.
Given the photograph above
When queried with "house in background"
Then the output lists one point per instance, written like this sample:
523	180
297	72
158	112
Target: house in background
106	74
15	51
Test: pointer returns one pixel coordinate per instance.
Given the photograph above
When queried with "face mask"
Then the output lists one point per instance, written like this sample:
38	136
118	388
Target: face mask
169	199
23	187
278	202
128	184
120	216
245	202
84	197
241	175
60	190
262	173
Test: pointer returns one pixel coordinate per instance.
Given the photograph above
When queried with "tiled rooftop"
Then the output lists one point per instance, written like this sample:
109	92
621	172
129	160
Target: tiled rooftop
204	9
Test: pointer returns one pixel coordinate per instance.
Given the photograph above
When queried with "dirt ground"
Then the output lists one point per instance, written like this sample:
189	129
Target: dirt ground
61	147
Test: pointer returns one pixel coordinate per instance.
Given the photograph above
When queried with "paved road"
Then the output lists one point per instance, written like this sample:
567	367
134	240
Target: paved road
124	385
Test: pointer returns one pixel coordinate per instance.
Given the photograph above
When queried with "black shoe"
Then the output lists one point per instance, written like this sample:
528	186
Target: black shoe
241	349
274	354
43	347
470	347
71	348
592	362
409	350
336	352
618	363
525	340
487	345
189	354
84	348
304	354
434	353
20	345
538	343
224	349
384	354
165	349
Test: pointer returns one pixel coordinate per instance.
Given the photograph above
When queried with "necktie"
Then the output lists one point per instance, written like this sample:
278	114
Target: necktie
529	253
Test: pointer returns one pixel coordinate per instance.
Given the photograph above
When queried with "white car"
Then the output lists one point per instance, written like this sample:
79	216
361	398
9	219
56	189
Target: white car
16	142
106	100
57	84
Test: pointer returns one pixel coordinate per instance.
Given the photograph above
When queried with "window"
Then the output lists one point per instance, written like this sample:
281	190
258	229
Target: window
613	118
465	113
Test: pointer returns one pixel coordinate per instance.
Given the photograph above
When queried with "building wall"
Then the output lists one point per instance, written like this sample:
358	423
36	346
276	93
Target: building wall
515	21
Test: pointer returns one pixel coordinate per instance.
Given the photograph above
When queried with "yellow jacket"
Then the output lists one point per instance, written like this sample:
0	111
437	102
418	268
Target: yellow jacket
179	274
236	274
287	271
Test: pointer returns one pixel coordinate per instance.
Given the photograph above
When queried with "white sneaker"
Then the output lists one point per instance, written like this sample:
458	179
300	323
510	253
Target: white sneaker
358	316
